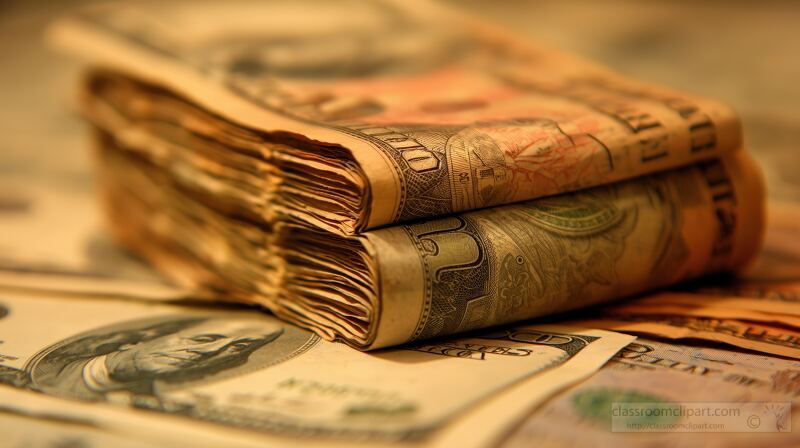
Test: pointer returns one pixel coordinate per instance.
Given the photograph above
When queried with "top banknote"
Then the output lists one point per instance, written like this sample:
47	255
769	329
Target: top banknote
368	113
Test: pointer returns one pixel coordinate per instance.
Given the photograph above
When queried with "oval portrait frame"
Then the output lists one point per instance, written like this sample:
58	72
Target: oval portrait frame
290	343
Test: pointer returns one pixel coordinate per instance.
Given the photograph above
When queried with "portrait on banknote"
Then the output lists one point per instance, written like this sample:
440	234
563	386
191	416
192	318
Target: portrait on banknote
135	361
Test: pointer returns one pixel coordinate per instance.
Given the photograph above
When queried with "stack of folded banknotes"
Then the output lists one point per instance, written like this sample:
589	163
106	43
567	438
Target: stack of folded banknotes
391	174
382	179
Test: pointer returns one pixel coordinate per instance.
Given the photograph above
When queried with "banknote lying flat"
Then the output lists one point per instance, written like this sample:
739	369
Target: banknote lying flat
25	426
244	370
645	371
750	335
372	113
659	373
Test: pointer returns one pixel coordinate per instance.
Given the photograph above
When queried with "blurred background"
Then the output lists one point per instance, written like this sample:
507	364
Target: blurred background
746	53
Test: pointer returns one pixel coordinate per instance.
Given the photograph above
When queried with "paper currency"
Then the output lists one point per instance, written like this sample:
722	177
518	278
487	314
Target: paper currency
662	373
254	162
772	339
374	113
49	429
36	420
235	146
247	370
702	310
772	298
439	277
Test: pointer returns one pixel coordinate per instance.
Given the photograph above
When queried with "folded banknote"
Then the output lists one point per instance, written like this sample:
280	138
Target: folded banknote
387	172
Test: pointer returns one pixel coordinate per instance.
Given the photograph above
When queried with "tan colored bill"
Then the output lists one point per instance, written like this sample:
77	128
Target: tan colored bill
31	426
442	113
703	310
451	275
251	373
781	341
493	266
661	373
767	298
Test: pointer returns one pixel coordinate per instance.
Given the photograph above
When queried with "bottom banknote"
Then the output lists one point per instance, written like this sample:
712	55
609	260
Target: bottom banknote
736	399
245	370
